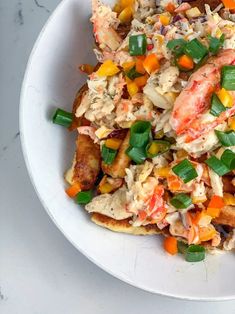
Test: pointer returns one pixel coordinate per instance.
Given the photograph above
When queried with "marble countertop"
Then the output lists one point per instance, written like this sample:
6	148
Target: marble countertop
40	271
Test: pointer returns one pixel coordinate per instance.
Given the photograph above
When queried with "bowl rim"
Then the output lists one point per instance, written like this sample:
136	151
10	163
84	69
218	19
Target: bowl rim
46	207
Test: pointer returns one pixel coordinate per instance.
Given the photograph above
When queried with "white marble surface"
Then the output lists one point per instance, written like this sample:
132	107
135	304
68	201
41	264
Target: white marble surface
40	271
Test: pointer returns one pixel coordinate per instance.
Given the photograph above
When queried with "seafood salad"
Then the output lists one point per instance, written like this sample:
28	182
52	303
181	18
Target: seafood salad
155	151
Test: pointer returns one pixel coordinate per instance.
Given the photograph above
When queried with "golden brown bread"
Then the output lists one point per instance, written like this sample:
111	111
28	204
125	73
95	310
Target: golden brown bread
87	162
123	225
121	162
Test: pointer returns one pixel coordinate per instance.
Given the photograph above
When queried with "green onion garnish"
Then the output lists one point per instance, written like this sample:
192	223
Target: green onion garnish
182	247
137	45
84	197
137	154
157	147
195	253
228	77
177	46
63	118
133	74
226	138
217	166
185	171
196	50
140	132
228	159
215	43
108	155
216	106
181	201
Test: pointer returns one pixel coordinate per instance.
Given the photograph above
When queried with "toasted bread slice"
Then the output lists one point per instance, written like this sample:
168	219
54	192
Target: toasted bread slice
123	225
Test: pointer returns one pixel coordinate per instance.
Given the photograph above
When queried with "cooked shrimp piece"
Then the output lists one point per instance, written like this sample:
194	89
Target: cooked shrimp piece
195	98
105	23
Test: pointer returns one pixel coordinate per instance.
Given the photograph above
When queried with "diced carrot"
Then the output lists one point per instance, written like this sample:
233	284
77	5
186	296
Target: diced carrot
216	202
151	63
139	66
230	4
170	245
141	81
206	233
186	62
113	143
213	212
73	190
170	7
87	68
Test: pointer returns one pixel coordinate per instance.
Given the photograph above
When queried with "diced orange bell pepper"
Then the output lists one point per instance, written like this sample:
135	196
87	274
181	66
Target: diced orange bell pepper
151	63
73	190
128	65
108	68
126	15
213	212
113	143
207	233
230	4
139	66
87	68
141	81
170	245
132	88
186	62
216	202
170	7
165	19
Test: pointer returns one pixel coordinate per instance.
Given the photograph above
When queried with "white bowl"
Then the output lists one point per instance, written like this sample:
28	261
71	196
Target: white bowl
51	80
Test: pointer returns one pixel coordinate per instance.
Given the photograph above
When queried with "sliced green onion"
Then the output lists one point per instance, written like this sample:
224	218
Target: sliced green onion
215	43
108	155
228	77
177	46
216	106
196	50
156	148
185	171
84	197
63	118
182	247
195	253
217	166
137	45
133	74
137	154
228	159
181	201
226	138
140	132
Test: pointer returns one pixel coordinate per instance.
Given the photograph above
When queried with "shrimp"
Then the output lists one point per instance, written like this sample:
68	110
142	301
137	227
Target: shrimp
194	100
105	23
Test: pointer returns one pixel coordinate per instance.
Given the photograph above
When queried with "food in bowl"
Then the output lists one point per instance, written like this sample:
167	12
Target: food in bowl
156	128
